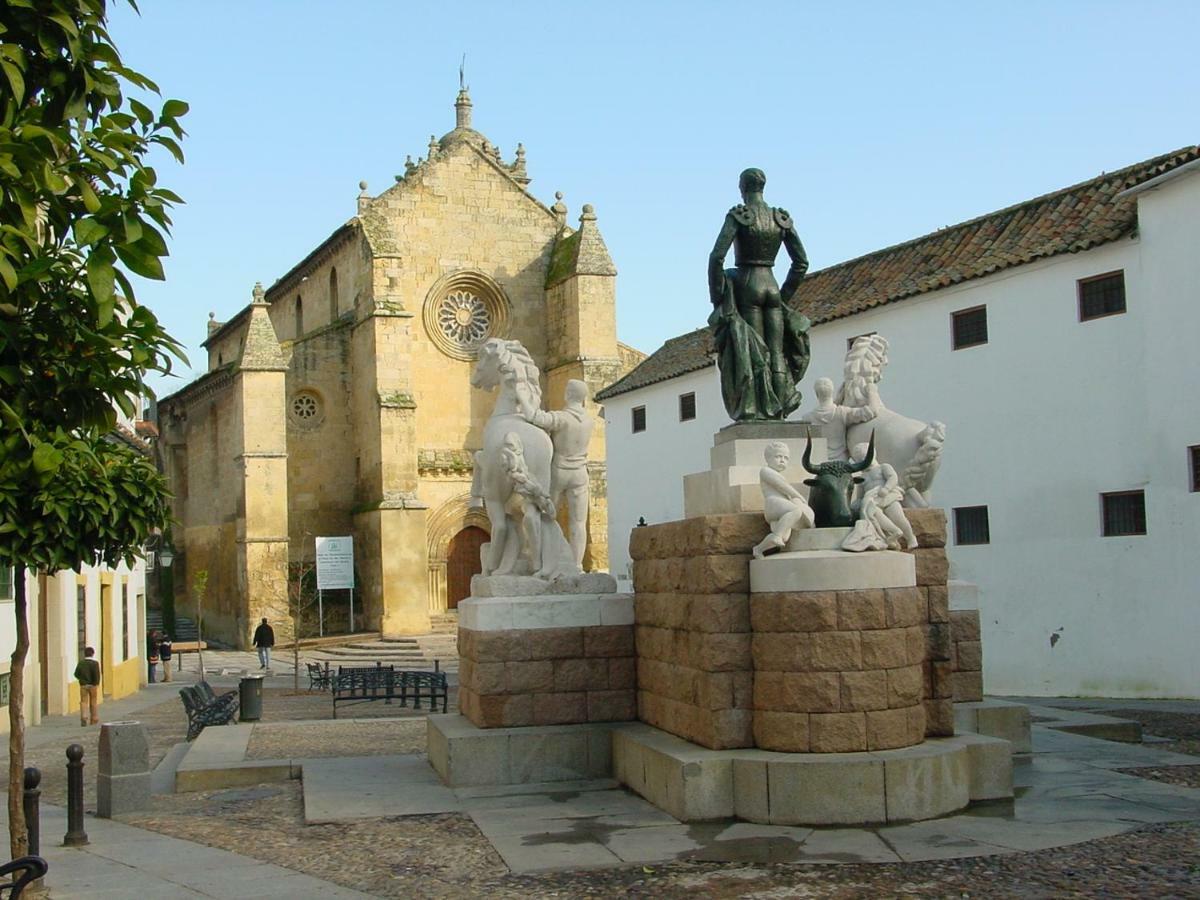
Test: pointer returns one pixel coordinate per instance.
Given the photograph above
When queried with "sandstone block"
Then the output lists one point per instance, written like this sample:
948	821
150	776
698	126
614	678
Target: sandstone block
970	656
968	687
504	710
529	677
836	651
939	602
768	690
719	613
964	624
933	568
743	689
724	690
611	706
887	729
725	653
466	643
661	610
938	642
916	724
884	649
782	731
782	651
929	525
904	686
941	679
939	718
580	675
653	643
918	643
734	533
486	678
905	606
725	729
799	612
837	732
858	610
500	646
622	673
608	641
862	691
554	643
811	692
560	708
717	575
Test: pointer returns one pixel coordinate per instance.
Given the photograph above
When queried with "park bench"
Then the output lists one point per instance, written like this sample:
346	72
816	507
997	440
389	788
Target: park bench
205	707
319	676
362	684
28	869
178	648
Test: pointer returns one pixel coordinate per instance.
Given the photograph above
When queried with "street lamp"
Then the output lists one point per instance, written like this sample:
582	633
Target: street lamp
166	556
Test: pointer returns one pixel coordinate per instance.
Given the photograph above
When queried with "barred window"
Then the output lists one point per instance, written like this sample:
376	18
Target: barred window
969	327
639	419
1103	295
687	407
7	589
971	525
1124	513
1194	460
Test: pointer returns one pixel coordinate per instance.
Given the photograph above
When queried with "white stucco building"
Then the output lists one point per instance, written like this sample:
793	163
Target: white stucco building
1071	415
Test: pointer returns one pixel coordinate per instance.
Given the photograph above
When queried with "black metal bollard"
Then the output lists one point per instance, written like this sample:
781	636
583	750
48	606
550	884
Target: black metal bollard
75	836
29	799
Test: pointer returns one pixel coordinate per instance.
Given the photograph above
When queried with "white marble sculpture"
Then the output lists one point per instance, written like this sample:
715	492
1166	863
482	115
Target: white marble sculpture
834	418
783	506
911	447
881	523
512	470
570	429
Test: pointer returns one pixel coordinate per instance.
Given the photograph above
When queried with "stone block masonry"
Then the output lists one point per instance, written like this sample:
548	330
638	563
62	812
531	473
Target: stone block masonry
929	525
966	656
514	676
695	670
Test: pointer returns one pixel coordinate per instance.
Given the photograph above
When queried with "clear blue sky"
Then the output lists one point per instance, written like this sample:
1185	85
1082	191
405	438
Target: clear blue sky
874	123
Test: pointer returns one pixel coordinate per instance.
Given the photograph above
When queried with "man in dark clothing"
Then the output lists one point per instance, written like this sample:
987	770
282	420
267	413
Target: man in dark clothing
87	673
264	640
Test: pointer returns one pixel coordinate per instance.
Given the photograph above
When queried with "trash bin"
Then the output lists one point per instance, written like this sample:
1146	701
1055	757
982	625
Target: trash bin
250	698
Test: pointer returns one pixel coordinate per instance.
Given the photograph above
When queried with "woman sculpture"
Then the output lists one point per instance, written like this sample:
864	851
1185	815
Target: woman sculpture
762	344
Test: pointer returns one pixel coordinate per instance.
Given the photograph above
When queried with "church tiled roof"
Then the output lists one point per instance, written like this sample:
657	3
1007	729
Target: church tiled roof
1076	218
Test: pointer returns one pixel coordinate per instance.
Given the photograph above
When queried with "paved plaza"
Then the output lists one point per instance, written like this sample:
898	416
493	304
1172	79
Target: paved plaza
301	805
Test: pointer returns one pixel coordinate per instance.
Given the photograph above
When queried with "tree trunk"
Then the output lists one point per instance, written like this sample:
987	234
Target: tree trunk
18	837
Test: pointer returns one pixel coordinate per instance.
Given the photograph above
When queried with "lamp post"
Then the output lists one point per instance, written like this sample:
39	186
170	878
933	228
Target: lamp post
166	584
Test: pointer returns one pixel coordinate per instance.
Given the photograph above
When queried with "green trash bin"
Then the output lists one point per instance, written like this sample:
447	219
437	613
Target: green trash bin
250	693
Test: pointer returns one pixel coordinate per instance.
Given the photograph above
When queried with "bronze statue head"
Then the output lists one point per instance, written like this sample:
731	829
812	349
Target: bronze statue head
752	181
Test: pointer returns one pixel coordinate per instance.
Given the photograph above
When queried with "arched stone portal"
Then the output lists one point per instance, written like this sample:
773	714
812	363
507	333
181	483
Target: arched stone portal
462	563
445	524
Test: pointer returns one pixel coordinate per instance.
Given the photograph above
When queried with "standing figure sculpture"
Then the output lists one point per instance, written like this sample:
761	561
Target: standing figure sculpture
513	468
570	429
762	344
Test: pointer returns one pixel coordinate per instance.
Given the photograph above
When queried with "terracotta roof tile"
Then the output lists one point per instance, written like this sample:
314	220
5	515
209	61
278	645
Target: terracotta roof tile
1076	218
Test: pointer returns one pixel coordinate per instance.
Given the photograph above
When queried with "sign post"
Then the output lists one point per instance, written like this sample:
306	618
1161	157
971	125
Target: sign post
335	572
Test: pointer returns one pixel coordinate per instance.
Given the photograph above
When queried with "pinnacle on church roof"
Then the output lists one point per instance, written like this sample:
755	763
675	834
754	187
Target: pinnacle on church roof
462	124
260	352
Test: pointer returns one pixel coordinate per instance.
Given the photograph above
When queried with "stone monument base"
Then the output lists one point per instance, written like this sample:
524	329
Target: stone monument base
694	784
996	718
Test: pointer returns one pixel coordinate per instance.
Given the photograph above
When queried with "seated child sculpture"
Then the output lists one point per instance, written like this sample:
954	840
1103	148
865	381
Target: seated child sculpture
784	507
881	520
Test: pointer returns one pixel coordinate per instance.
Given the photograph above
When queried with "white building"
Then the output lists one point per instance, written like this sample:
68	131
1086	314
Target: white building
1057	339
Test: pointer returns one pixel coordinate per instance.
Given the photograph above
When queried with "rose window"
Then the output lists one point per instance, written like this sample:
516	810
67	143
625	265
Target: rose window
306	409
464	319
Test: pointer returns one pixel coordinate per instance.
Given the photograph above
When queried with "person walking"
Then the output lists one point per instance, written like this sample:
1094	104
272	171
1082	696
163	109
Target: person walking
87	673
164	653
264	640
151	654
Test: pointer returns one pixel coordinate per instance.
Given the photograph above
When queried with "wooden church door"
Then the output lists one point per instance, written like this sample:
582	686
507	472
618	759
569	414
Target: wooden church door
463	562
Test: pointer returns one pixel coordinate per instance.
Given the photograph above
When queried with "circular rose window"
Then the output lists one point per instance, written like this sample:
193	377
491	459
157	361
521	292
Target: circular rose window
306	408
462	311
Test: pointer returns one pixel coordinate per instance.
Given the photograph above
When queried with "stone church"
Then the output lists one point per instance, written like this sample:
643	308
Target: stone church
338	402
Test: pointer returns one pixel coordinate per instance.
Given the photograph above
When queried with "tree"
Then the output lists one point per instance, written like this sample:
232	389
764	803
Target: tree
80	211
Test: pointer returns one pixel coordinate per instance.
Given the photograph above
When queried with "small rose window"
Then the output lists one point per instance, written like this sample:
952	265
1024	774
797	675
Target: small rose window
306	408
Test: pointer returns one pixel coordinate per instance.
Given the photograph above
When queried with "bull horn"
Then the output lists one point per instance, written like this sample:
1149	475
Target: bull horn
868	459
807	457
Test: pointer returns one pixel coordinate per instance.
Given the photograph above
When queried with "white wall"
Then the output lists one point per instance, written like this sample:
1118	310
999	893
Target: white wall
1040	421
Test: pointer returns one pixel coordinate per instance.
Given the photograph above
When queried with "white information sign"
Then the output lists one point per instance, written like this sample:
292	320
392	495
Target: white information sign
335	563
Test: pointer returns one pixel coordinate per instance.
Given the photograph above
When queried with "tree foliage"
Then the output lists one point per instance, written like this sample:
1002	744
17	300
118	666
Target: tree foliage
80	212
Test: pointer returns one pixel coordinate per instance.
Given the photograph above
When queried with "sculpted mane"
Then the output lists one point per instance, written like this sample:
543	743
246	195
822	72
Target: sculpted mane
864	365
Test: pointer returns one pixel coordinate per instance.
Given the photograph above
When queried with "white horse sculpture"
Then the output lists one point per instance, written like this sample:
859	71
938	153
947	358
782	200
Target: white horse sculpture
912	448
543	551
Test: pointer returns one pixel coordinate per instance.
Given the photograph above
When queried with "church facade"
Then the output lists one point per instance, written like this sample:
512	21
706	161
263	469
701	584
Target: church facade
339	401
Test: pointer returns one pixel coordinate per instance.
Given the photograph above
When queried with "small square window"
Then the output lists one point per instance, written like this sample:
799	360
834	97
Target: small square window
1124	513
971	525
7	590
1194	467
969	327
687	407
1101	296
639	419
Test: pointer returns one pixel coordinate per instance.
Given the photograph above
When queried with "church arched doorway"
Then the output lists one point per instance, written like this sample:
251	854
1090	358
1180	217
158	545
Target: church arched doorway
462	562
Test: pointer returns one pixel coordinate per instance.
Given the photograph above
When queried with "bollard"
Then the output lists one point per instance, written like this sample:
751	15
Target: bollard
30	801
75	836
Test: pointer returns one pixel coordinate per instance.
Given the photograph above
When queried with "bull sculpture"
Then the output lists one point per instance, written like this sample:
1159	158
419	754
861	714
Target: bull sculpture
829	494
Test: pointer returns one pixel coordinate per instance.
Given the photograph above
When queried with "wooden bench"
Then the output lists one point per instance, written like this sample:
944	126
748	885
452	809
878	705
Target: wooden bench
178	648
362	684
205	707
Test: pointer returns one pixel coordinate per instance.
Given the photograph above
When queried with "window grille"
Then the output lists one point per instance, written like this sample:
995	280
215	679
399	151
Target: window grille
1124	513
639	419
969	327
687	407
1194	459
971	525
1101	296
